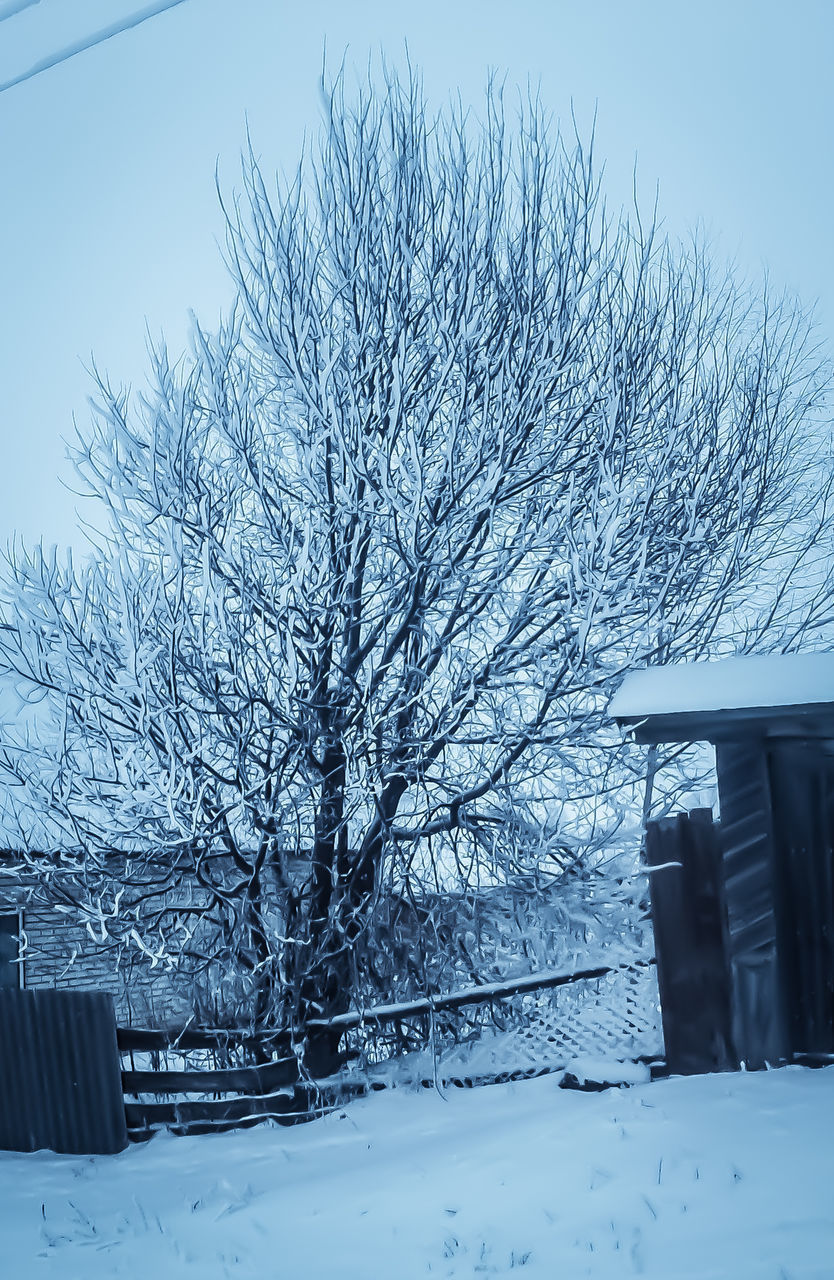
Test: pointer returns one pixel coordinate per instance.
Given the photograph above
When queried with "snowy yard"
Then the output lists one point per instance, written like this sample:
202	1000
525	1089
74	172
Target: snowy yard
720	1176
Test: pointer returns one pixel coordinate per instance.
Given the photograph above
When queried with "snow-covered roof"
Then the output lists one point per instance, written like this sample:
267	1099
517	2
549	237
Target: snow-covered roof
702	698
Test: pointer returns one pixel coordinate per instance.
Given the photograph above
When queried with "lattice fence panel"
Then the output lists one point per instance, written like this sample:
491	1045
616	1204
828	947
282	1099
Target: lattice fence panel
612	1018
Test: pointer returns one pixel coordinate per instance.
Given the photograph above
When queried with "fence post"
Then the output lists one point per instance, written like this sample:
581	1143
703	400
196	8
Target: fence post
688	916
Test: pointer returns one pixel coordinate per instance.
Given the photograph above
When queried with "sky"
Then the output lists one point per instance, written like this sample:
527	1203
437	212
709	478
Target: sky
109	219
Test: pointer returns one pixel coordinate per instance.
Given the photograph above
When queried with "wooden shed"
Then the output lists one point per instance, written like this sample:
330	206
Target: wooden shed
744	912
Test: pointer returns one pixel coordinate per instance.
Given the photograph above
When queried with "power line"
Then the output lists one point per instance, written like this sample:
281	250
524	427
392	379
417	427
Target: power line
11	7
87	42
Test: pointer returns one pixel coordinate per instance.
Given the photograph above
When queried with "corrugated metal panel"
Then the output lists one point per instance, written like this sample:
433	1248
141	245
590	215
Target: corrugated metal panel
760	1030
60	1078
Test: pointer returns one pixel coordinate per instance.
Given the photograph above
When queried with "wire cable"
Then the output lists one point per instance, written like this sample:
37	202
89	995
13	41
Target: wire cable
8	8
87	42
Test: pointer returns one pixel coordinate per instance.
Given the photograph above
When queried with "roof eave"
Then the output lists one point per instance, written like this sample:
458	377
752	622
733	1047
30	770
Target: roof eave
807	720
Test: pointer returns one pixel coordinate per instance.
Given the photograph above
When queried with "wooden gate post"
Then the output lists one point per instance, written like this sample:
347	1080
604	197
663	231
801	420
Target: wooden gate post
684	863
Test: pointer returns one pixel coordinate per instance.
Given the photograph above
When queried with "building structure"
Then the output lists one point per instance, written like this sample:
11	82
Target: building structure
43	947
771	721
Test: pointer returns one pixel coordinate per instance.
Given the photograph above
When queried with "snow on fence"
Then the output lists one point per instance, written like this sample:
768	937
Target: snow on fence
535	1024
611	1012
264	1091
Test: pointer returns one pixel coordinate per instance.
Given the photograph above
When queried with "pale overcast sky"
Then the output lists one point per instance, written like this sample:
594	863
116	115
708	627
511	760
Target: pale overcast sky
109	220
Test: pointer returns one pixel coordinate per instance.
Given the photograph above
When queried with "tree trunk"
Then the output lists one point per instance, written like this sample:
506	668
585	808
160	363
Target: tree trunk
330	983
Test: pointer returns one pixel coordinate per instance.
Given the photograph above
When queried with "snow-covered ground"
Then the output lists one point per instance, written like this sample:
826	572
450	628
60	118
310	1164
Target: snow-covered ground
721	1176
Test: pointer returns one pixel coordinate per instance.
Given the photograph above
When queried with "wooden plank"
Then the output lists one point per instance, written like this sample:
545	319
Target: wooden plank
323	1095
688	921
814	1059
197	1127
303	1098
761	1031
802	788
145	1040
459	999
139	1115
248	1080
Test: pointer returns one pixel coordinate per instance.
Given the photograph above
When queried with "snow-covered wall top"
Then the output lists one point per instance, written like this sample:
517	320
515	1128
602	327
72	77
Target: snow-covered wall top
778	680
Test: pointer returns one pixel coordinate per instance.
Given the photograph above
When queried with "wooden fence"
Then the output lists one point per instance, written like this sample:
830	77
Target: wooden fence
275	1090
269	1091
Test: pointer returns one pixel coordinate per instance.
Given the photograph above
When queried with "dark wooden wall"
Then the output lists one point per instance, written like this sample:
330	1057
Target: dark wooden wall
802	793
744	926
760	1025
684	860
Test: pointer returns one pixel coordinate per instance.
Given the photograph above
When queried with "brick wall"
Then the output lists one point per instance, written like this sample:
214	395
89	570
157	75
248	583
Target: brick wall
58	953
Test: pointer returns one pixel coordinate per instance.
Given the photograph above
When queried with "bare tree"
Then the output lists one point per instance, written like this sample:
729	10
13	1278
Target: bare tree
374	553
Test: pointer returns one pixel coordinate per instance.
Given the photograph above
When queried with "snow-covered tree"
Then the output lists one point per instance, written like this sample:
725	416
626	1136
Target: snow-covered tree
374	553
